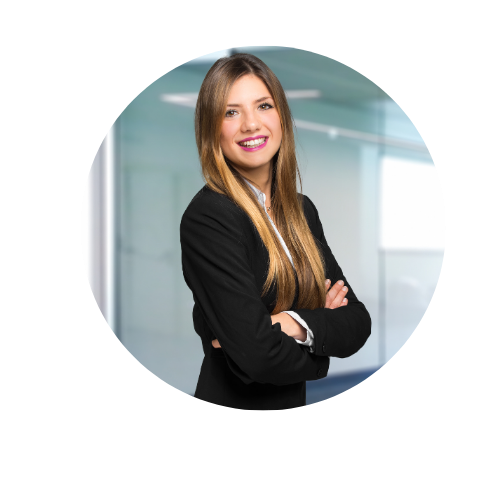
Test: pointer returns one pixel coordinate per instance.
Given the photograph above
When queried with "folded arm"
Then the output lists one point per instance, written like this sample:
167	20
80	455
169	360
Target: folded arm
216	268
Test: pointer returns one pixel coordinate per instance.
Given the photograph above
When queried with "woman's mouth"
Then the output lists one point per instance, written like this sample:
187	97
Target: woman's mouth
253	144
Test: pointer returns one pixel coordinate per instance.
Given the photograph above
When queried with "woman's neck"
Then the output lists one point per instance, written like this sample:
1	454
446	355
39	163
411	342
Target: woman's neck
261	178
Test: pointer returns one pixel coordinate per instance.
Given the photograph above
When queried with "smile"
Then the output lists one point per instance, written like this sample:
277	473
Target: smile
253	144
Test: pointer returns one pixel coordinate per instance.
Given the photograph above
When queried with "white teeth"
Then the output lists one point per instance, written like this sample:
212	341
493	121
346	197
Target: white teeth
256	142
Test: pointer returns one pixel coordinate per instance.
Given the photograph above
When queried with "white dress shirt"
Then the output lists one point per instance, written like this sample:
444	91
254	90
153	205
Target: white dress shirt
310	337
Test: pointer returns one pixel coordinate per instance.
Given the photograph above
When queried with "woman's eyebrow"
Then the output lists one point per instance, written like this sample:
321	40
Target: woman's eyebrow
255	102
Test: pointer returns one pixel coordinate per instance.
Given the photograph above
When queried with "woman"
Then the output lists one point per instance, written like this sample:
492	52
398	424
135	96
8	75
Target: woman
271	302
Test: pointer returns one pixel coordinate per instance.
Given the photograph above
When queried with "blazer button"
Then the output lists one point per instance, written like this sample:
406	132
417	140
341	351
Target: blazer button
324	348
320	372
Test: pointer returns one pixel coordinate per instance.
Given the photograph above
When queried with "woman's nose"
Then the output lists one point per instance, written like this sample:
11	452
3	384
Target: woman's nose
250	122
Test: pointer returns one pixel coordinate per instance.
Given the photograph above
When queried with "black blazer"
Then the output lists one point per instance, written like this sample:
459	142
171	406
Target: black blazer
258	367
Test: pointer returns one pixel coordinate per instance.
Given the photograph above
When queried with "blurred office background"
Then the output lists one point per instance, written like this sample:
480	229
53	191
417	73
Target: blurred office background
363	164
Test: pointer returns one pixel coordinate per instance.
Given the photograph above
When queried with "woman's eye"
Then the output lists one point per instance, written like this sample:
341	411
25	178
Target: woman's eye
267	105
229	112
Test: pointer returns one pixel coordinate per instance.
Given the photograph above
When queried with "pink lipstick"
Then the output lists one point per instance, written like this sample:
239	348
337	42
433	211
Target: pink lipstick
253	148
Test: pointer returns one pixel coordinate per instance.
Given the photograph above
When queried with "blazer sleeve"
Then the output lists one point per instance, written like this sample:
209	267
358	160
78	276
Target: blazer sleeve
216	268
339	332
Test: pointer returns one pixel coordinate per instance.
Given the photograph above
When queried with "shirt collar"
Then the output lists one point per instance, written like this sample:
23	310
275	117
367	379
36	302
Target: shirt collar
260	195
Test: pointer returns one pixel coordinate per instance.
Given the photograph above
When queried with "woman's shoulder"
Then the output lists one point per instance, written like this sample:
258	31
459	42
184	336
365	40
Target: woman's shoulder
310	210
209	204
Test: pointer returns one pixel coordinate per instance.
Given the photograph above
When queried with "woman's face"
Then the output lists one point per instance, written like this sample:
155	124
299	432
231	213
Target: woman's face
251	128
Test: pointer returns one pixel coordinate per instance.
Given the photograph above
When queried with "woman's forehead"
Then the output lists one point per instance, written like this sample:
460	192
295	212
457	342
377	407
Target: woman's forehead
247	88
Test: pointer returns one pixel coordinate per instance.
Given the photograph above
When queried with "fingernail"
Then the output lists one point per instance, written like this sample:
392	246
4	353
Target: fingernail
344	300
344	288
327	282
340	282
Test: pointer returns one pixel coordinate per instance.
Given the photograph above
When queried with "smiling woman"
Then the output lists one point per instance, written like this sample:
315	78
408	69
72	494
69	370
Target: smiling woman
271	302
251	116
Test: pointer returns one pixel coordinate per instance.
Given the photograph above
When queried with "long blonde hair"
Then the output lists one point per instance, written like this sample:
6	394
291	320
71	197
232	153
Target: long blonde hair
221	177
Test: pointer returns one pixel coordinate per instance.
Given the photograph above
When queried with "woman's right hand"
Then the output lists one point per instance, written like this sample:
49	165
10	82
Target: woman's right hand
335	297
